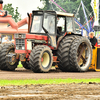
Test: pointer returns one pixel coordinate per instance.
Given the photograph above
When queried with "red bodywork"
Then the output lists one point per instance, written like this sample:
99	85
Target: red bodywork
37	37
31	36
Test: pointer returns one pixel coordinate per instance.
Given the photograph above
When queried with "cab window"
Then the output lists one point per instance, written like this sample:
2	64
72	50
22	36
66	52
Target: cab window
69	24
61	24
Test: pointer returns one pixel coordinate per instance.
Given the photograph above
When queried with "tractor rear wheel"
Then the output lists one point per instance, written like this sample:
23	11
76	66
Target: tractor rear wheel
63	53
25	65
7	49
80	54
41	59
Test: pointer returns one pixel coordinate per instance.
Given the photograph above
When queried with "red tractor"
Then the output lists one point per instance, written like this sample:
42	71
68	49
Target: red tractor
51	41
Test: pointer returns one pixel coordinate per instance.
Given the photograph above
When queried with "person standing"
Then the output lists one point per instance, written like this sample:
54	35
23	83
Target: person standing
5	39
93	39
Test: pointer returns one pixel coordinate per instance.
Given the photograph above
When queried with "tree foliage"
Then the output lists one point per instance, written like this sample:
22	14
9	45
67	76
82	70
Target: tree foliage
14	12
70	6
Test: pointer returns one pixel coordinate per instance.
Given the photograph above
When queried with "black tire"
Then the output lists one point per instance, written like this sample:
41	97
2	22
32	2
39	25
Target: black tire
63	53
26	65
37	54
80	55
7	48
1	46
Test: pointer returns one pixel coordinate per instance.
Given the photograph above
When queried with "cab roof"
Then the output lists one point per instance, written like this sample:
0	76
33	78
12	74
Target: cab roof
57	12
64	14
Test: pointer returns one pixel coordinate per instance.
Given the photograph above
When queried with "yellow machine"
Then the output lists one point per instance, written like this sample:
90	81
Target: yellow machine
95	64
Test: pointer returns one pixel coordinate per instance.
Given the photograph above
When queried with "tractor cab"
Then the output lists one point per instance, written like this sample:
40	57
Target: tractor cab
52	24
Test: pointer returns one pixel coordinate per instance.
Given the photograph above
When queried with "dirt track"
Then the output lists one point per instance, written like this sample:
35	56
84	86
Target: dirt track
21	73
81	91
51	92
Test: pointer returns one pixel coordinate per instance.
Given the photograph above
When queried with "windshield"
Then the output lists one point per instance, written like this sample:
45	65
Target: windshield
49	23
37	24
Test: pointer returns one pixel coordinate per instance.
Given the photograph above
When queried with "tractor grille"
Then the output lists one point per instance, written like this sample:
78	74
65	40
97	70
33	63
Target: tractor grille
20	44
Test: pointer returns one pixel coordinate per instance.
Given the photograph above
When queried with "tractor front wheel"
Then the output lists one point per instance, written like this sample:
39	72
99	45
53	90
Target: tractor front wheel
41	59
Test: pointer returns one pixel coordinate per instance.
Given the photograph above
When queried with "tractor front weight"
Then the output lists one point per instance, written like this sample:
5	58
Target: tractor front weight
14	57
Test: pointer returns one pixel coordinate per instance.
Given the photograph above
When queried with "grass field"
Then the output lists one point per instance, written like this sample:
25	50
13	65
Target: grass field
46	81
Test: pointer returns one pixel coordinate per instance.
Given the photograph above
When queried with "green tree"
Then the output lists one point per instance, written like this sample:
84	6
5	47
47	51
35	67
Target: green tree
46	5
14	12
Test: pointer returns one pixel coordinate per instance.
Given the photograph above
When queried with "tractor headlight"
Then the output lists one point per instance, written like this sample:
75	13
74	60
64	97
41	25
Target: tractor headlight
23	48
